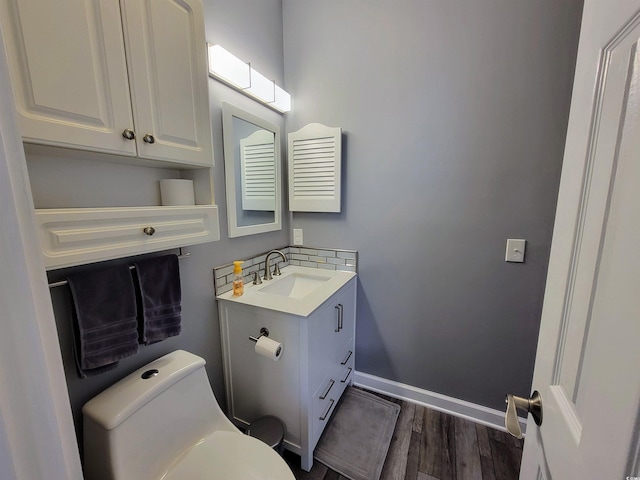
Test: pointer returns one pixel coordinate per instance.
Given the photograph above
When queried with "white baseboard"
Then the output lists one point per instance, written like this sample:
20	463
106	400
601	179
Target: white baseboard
436	401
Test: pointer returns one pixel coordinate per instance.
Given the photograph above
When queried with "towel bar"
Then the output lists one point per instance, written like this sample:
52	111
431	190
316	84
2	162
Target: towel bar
131	267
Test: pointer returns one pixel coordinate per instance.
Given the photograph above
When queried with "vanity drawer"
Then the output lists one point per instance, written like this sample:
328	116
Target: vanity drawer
324	406
333	370
345	368
345	355
327	396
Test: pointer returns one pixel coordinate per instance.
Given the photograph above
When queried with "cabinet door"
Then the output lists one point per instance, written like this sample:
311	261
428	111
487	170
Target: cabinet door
346	303
166	55
69	73
323	340
256	385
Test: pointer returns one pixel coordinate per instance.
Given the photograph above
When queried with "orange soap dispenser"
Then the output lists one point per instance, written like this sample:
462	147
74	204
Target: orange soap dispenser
238	282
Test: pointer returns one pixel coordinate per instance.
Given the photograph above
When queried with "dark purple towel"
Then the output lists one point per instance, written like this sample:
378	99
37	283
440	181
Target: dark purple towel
160	296
105	326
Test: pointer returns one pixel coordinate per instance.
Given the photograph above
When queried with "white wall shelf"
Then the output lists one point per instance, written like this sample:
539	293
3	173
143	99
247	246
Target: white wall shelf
75	236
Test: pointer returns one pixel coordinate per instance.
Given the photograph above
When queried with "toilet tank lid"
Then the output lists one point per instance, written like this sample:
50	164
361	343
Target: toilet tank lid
117	403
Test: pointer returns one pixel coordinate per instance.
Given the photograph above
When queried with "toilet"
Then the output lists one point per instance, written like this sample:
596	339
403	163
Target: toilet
163	422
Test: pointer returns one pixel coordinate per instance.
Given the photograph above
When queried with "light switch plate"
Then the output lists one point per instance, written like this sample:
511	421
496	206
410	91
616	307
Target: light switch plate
297	236
515	250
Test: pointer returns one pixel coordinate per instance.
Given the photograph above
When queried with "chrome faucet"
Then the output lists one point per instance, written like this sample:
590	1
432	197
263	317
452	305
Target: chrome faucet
267	273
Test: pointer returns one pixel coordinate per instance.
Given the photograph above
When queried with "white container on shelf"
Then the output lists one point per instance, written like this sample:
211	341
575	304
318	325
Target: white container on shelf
177	192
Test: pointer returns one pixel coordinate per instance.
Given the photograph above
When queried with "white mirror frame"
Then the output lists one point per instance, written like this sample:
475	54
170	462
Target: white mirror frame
228	113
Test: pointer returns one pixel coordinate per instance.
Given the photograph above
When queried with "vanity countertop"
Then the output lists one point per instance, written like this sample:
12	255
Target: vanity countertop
310	288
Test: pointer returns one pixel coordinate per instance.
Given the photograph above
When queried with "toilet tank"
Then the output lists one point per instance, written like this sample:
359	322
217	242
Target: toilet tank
141	425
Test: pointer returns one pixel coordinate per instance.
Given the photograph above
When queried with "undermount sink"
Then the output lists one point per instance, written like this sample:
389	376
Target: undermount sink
296	285
299	291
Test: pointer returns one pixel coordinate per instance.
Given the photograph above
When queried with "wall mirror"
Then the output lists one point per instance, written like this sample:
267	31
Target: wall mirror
252	172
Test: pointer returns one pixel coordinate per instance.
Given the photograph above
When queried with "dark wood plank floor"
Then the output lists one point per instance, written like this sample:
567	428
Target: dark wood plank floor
429	445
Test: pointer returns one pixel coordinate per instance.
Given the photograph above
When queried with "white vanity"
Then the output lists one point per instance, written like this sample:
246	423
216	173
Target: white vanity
312	313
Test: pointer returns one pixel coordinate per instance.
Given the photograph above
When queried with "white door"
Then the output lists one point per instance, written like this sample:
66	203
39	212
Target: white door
167	58
588	360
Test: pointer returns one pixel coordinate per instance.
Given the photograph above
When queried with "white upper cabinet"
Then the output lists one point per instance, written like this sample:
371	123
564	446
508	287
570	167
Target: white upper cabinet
88	73
167	60
122	77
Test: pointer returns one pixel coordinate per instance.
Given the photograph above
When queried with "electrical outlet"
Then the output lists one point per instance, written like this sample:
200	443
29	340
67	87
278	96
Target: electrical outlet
515	250
297	236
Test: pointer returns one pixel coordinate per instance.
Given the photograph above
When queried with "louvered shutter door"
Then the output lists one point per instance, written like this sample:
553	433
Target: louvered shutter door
314	168
257	157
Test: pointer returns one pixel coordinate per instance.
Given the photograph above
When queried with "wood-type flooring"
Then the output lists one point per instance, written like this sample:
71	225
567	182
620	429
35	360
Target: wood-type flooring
429	445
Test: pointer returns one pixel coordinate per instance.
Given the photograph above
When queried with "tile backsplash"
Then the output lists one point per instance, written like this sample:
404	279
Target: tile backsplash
321	258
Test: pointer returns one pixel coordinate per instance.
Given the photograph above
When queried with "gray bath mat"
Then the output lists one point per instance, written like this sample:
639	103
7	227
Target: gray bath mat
356	441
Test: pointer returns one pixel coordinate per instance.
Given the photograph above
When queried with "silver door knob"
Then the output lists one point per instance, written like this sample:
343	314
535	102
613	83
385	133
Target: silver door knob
148	138
129	134
531	405
149	230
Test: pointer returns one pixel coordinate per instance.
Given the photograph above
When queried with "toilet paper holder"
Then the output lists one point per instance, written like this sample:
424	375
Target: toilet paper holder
264	332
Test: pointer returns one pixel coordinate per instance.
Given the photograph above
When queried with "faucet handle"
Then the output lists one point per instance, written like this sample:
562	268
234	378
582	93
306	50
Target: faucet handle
276	269
256	278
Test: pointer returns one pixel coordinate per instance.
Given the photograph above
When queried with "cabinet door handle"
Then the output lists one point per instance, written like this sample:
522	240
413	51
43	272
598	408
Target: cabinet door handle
346	376
340	316
149	230
324	395
148	138
344	362
338	326
331	402
129	134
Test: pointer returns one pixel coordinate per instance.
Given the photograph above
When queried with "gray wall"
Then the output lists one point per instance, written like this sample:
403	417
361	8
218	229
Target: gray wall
253	31
454	114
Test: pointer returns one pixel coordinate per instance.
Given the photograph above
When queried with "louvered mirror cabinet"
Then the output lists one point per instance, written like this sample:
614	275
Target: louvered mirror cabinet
314	168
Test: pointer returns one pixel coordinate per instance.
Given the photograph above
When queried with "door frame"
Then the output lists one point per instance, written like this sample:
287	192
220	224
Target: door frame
37	436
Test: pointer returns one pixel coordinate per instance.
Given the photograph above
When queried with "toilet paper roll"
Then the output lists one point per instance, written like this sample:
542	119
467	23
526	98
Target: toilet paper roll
269	348
177	191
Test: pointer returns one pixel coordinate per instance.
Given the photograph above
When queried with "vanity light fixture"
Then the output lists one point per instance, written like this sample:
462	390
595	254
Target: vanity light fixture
261	87
229	69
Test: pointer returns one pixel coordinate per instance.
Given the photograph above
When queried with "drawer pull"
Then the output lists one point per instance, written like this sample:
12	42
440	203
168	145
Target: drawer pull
331	402
324	395
344	362
149	230
346	376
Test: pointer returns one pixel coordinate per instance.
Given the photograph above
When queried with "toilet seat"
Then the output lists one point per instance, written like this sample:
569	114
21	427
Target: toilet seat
230	456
